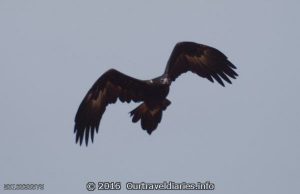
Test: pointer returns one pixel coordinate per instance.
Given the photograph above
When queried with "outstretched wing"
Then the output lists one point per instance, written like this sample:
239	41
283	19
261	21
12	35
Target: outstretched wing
106	90
203	60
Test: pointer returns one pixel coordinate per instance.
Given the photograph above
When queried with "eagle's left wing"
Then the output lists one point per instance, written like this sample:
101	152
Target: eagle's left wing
112	85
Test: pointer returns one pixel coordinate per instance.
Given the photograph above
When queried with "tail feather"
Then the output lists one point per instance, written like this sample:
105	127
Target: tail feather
150	116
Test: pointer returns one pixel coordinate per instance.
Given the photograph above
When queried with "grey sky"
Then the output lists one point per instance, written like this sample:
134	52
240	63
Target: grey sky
244	138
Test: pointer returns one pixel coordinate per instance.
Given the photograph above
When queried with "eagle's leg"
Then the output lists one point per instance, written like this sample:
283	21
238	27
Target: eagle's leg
150	116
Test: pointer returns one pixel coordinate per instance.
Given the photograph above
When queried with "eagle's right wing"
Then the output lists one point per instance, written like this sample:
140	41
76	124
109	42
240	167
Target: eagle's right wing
106	90
203	60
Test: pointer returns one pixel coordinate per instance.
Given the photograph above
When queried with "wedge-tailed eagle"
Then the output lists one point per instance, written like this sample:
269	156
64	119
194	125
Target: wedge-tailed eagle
203	60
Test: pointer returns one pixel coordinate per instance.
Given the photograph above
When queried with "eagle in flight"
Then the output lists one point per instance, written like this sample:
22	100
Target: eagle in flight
203	60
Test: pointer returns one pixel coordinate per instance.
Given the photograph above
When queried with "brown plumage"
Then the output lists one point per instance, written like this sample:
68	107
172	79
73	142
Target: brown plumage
203	60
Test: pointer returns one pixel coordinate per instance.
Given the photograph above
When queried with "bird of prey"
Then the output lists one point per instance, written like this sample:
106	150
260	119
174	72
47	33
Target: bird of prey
200	59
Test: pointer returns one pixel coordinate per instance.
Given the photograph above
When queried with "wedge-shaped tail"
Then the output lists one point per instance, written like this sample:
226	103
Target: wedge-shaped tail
150	116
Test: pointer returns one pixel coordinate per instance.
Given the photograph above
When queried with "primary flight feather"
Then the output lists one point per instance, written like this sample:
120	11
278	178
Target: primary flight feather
203	60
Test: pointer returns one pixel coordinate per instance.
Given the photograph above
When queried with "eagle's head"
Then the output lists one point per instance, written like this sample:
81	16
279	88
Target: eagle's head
165	81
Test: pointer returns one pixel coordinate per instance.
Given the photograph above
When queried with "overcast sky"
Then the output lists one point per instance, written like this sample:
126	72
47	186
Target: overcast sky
244	138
